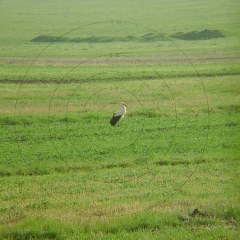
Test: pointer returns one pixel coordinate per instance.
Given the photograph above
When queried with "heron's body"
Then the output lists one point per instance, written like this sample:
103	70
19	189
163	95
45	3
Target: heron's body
118	115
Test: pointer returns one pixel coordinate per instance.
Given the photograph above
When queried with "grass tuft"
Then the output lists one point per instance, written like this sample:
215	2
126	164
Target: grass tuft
232	213
29	235
230	108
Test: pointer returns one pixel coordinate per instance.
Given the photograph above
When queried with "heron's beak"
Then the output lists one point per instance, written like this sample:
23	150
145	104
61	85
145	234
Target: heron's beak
124	105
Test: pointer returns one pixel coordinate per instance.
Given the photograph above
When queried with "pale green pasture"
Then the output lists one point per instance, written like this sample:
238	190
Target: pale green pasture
114	69
21	23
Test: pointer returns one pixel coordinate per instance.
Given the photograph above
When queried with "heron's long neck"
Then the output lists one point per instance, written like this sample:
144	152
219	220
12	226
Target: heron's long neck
124	109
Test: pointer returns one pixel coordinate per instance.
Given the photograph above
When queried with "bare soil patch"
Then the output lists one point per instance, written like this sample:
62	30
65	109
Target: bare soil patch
115	60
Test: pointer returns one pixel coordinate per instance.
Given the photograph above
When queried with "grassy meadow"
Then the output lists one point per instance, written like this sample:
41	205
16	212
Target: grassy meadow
66	173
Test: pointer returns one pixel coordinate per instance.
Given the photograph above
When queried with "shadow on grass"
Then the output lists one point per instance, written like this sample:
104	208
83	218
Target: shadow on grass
198	35
149	37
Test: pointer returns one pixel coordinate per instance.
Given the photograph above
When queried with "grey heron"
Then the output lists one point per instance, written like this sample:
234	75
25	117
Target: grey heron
118	115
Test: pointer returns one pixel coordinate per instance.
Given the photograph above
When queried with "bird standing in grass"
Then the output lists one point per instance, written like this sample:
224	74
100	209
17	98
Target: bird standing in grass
118	115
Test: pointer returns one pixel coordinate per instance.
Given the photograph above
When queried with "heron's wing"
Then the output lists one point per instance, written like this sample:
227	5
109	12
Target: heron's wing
120	112
115	119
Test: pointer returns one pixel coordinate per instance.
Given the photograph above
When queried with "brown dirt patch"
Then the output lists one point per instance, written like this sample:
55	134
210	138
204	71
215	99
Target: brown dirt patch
115	60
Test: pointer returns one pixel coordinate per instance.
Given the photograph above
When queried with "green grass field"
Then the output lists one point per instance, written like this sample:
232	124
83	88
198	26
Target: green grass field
66	173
